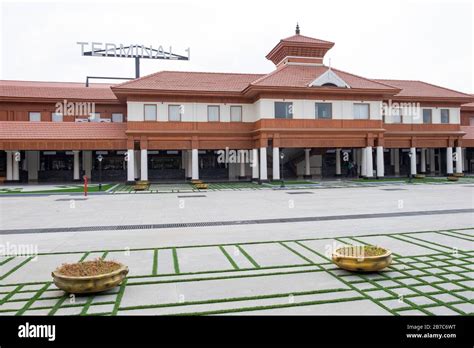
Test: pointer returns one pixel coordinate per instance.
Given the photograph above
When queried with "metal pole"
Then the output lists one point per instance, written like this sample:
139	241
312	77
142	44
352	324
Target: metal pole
137	67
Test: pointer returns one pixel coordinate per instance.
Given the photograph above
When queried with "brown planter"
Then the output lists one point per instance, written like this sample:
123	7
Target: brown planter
90	284
357	262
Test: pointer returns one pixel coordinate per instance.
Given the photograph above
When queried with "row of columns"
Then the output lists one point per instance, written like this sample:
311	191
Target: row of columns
363	159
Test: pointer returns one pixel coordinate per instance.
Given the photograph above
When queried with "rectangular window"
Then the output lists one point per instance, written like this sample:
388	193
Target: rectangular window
94	116
35	116
361	111
56	117
116	117
396	115
174	112
444	115
213	113
283	110
324	111
150	112
427	114
235	113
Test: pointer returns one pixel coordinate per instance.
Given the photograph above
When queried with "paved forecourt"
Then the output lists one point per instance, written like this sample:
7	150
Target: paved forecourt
431	274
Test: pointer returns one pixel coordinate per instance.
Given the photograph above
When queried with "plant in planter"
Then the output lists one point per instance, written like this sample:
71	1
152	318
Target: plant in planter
362	258
89	276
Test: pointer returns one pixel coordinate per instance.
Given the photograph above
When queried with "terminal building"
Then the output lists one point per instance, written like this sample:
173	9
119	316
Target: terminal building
304	119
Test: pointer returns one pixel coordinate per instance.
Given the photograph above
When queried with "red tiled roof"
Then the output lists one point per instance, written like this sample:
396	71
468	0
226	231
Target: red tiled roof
306	39
469	132
303	75
422	89
468	105
191	81
62	130
55	90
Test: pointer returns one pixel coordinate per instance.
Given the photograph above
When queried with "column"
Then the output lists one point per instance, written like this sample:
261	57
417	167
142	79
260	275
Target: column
130	166
459	160
87	163
449	160
263	164
254	164
16	165
432	162
413	161
338	162
423	161
137	164
276	163
369	162
9	166
195	164
465	165
396	161
363	165
76	165
380	162
144	165
307	163
189	156
242	168
359	161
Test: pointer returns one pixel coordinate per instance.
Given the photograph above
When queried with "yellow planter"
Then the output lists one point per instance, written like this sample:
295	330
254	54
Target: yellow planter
356	261
453	178
459	175
201	186
90	284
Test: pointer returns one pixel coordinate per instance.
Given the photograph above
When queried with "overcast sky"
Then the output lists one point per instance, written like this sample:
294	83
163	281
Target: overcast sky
429	40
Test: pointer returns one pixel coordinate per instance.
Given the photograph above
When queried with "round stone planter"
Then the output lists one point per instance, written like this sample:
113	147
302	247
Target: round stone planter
420	176
459	175
352	258
453	178
90	284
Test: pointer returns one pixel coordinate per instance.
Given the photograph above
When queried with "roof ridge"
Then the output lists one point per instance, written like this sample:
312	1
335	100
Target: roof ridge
59	82
429	84
364	78
182	72
268	75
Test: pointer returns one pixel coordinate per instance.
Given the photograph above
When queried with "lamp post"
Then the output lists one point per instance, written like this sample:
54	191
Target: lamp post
282	155
410	179
100	158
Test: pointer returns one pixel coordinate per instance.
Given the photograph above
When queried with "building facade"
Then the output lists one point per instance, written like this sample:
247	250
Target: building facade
303	119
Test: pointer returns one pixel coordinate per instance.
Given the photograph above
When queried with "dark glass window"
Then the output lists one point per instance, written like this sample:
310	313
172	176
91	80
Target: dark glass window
444	116
323	110
283	110
427	115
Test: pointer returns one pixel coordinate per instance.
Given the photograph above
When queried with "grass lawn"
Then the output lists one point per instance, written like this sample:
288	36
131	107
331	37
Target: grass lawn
60	189
293	182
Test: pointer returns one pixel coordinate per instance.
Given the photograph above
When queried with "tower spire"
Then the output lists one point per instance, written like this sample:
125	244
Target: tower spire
297	31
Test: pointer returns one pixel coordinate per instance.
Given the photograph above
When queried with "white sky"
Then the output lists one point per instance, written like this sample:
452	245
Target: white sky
429	40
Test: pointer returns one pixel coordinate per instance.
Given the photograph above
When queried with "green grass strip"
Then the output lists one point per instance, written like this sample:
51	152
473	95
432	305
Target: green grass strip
236	299
252	261
261	308
10	294
226	254
58	304
87	305
119	297
7	260
33	299
155	262
104	255
296	253
175	261
455	236
14	269
84	256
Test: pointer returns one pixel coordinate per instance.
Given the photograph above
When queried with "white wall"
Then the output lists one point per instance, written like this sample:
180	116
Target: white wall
264	109
417	118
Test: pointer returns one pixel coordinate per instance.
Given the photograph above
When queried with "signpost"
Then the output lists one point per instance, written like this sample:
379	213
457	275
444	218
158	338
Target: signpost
100	158
101	49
